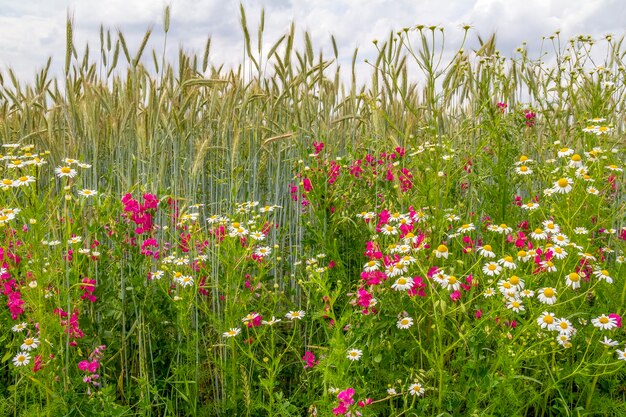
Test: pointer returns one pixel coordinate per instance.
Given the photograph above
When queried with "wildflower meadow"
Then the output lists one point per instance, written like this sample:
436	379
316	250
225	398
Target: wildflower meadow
276	239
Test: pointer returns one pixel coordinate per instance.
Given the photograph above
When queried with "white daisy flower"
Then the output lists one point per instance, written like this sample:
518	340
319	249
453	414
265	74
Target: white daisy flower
403	284
405	323
30	343
354	354
547	321
492	269
572	280
232	332
547	295
604	322
416	389
295	315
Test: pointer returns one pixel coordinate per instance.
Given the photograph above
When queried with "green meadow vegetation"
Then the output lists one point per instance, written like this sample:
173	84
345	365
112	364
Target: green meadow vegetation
445	239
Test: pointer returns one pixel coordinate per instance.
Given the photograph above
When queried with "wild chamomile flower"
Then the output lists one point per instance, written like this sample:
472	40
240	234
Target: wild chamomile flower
609	342
523	160
548	266
451	283
236	230
85	192
530	206
468	227
523	170
157	275
30	343
7	183
271	322
560	239
516	282
295	315
551	227
575	161
23	180
231	332
366	215
507	262
416	389
388	230
558	252
581	231
564	327
267	209
216	218
538	234
547	321
547	295
4	218
371	266
489	292
403	284
614	168
405	323
621	354
20	327
486	251
249	317
393	270
21	359
563	185
354	354
593	191
603	275
504	229
16	163
587	256
564	340
186	281
526	293
492	269
453	217
515	305
65	171
565	152
523	256
505	286
582	172
604	322
263	251
258	236
572	280
442	252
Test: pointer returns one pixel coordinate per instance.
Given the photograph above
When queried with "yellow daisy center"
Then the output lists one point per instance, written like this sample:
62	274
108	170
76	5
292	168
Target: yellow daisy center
563	182
548	292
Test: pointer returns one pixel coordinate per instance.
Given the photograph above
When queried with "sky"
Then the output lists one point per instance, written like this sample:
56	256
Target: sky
33	30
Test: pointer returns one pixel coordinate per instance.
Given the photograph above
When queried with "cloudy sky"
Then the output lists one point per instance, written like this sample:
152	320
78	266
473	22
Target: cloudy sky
33	30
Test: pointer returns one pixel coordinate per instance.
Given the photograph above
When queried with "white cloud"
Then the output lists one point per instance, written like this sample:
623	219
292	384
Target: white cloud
32	31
